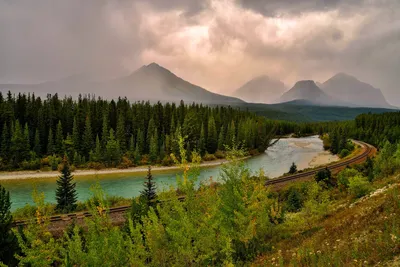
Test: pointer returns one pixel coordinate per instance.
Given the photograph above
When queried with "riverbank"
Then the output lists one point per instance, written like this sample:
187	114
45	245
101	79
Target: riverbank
18	175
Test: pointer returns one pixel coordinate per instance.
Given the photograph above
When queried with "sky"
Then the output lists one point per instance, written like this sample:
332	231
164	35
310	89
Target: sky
217	44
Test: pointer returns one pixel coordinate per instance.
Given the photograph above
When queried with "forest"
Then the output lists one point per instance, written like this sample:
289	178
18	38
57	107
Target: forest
97	133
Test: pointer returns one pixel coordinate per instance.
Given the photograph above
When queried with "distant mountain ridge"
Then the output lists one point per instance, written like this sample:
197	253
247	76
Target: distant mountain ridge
309	92
349	89
261	89
150	82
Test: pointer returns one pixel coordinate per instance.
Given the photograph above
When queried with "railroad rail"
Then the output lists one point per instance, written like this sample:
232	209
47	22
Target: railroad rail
368	150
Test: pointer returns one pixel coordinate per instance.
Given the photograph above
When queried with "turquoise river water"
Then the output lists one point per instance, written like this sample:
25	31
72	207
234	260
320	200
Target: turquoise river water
275	161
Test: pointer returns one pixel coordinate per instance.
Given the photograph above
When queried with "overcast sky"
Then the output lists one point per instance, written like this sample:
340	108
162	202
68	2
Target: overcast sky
217	44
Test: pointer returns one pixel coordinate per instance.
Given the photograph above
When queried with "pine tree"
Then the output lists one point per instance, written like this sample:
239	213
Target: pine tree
50	143
27	144
140	142
87	139
8	242
66	195
96	157
113	154
58	144
76	136
37	148
293	169
212	138
105	132
19	148
153	155
221	139
202	141
149	194
5	142
121	135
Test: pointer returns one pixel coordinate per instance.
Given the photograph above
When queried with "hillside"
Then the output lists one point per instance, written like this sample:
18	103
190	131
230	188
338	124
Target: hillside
151	82
349	89
309	91
261	89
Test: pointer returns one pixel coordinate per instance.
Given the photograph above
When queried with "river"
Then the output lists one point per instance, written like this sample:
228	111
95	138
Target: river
275	161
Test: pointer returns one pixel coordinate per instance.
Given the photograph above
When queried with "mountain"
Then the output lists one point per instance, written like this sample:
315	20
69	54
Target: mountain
309	92
349	89
151	82
261	89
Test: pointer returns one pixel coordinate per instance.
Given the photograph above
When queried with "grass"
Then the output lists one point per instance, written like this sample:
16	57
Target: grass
366	233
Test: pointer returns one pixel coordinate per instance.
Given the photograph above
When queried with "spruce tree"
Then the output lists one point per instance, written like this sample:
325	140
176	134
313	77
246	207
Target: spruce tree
50	143
58	144
153	155
87	139
66	193
221	139
202	141
76	136
293	169
212	138
105	132
5	142
37	148
8	242
148	194
120	134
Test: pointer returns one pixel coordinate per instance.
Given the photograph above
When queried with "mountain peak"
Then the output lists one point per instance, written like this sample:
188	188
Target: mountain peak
261	89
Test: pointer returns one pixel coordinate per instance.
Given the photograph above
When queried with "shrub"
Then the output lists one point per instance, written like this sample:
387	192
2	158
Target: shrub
209	157
344	153
144	160
254	152
219	154
345	175
167	161
359	186
125	163
31	165
95	165
324	177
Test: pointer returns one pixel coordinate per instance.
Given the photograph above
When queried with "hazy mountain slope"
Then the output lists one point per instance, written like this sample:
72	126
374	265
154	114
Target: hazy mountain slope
151	82
261	89
347	88
309	91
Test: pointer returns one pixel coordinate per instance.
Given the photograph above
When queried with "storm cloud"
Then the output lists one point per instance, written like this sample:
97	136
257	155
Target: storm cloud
217	44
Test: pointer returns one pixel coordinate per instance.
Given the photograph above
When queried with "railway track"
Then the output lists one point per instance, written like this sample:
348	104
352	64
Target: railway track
368	150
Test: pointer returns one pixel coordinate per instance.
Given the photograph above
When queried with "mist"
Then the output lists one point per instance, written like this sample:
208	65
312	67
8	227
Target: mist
218	45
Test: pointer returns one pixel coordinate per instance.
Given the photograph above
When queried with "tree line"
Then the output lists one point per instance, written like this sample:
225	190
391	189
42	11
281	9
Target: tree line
94	132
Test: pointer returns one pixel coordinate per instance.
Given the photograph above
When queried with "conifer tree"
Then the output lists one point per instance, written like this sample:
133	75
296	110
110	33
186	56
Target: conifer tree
202	141
37	148
87	139
50	143
97	151
19	148
212	138
293	169
105	132
76	136
121	135
153	155
113	154
140	142
66	195
8	242
149	194
5	142
221	139
58	144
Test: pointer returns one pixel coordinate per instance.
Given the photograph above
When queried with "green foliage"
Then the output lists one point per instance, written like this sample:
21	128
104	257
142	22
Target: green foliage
66	193
359	186
8	241
293	168
345	176
324	177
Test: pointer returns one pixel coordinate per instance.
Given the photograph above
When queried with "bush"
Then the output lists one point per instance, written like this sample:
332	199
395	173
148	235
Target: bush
29	211
167	161
95	165
219	154
125	163
31	165
254	152
344	153
344	176
144	160
209	157
359	186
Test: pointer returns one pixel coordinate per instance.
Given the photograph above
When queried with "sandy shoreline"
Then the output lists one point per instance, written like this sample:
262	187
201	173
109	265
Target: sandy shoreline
17	175
323	158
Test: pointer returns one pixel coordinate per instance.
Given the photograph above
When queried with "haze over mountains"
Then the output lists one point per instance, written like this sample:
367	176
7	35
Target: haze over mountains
155	83
150	82
261	89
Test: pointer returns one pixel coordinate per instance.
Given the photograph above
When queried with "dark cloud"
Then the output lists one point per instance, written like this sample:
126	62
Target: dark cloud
216	44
